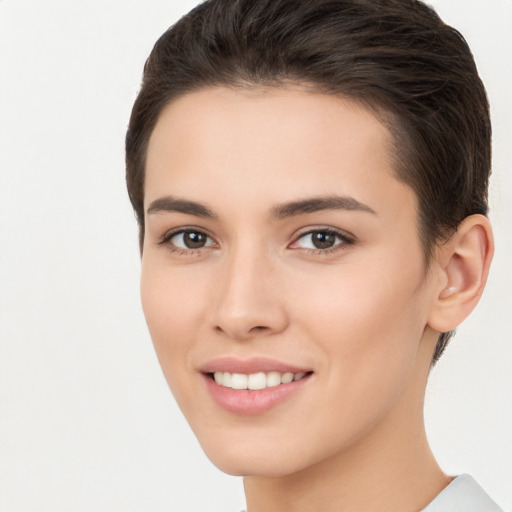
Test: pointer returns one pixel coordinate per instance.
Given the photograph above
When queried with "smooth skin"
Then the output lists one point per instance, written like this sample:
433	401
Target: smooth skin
230	269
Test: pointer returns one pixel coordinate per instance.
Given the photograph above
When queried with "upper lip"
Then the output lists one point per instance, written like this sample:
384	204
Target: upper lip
251	365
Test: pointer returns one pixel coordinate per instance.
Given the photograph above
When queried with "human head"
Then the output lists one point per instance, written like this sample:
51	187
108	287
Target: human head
395	57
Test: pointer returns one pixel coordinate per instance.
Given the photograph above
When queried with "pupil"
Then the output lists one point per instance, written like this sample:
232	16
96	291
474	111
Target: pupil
323	240
194	240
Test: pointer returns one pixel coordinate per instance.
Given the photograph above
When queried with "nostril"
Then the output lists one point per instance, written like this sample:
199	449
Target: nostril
252	330
243	323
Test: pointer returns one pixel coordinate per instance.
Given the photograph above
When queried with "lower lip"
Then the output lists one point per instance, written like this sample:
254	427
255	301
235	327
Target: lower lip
249	402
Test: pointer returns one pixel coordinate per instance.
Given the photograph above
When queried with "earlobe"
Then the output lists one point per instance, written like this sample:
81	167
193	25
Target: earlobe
463	266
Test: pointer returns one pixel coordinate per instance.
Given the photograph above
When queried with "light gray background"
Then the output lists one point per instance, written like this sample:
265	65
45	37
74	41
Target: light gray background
86	420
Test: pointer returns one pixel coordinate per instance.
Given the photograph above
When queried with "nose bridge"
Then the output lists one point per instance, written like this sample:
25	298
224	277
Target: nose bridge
248	300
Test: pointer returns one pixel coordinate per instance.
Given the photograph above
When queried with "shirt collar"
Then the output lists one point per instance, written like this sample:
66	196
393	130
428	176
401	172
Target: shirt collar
463	494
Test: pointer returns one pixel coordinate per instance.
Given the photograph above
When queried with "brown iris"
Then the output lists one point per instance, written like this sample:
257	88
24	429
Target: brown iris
323	239
194	239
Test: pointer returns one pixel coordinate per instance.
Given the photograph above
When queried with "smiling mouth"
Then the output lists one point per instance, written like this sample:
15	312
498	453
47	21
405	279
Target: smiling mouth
256	381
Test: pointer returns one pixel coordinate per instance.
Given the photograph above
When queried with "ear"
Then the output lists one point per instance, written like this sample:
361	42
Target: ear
462	266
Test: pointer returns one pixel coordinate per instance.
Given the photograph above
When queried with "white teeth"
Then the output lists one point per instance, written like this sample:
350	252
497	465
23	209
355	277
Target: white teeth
239	381
255	381
226	379
273	379
286	378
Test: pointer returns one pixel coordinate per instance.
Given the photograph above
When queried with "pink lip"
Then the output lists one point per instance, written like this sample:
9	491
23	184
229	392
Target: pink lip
252	365
251	402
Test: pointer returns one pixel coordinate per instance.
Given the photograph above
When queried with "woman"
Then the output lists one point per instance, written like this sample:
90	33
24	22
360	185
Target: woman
310	181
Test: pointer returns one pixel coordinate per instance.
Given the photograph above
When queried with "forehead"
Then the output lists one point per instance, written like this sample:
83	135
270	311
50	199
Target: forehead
275	144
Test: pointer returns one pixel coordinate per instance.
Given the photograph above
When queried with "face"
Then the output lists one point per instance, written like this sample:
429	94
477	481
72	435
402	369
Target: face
283	279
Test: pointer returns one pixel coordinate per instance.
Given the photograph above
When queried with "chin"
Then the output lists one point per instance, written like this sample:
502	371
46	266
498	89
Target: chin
262	457
242	459
241	465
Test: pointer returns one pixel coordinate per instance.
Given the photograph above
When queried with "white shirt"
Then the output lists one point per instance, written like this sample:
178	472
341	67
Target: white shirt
463	494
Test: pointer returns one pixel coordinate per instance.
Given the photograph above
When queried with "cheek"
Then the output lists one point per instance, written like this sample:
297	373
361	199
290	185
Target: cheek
173	314
367	300
368	326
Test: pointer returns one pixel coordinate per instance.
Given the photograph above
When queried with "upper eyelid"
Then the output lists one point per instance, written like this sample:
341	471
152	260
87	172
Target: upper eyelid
314	229
295	237
183	229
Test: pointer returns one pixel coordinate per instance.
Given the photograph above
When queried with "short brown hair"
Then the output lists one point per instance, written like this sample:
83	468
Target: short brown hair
395	56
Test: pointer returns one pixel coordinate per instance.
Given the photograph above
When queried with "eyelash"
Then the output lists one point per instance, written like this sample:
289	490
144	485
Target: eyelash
345	240
167	237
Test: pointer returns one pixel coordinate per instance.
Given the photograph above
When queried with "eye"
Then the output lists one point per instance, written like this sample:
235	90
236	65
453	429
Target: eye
322	240
188	239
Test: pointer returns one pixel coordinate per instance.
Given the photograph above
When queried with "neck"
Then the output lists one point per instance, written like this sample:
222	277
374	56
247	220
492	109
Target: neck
391	468
402	477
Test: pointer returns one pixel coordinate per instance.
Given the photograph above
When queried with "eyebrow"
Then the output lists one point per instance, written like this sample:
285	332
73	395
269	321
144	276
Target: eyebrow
283	211
316	204
173	204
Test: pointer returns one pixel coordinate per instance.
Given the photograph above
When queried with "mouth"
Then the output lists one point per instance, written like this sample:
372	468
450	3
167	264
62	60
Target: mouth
256	381
254	386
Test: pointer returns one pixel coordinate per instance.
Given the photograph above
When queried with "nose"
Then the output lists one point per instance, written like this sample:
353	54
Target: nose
249	300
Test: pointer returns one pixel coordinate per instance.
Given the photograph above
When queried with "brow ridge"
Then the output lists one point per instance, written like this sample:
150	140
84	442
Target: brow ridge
173	204
315	204
283	211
